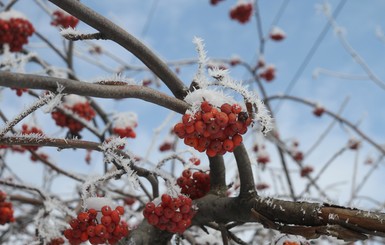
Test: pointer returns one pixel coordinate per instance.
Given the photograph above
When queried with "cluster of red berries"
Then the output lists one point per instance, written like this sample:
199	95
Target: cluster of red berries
268	73
64	20
277	34
83	110
261	186
213	130
215	2
354	143
290	243
36	158
25	129
124	124
56	241
109	228
241	12
14	148
318	110
20	91
194	160
126	132
6	210
166	146
15	32
195	185
172	214
305	171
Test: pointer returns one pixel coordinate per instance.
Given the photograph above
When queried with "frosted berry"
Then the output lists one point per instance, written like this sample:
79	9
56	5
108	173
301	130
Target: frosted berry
277	34
124	124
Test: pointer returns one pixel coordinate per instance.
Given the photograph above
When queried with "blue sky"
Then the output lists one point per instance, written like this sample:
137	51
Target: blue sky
169	32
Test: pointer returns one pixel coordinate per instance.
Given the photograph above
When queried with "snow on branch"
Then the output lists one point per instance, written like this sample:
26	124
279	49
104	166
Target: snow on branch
74	35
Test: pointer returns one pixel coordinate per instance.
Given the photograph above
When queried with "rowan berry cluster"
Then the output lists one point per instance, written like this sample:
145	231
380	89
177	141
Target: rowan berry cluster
166	146
126	132
15	32
82	109
124	124
194	160
268	73
213	130
56	241
6	210
215	2
241	12
64	20
318	110
305	171
20	91
261	186
195	185
25	130
277	34
171	214
87	226
290	243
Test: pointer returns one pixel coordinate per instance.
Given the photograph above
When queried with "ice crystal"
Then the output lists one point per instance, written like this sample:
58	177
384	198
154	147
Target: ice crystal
56	99
70	33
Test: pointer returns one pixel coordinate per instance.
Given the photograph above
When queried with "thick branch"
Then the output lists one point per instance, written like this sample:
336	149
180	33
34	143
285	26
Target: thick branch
217	175
245	172
302	218
18	80
126	40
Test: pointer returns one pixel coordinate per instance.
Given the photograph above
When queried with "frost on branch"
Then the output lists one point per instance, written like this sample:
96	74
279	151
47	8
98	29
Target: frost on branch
70	33
110	149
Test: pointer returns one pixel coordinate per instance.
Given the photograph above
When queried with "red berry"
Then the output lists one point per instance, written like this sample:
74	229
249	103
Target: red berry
106	210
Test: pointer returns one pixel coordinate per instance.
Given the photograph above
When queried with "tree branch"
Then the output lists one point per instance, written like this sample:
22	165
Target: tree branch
217	175
18	80
301	218
126	40
246	178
